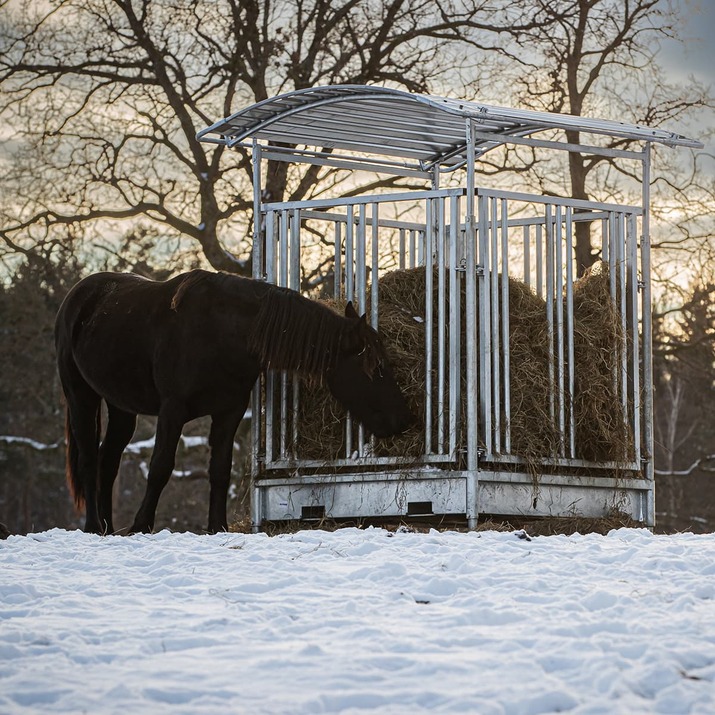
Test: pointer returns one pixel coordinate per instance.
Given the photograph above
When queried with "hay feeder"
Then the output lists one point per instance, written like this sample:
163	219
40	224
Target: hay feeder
533	387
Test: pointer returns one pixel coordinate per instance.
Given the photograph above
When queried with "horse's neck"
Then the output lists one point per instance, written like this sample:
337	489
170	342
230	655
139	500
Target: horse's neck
293	333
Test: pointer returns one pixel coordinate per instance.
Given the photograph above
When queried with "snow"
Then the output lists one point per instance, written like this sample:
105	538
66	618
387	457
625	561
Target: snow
357	621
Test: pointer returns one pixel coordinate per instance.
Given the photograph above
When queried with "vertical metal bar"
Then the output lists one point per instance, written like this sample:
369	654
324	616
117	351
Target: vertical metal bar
570	332
429	320
612	283
494	284
539	262
621	219
550	309
349	258
485	334
401	255
634	332
454	326
360	250
375	273
413	233
527	257
338	279
647	340
283	250
472	485
270	250
360	289
612	255
271	277
350	296
559	290
505	323
295	285
257	216
605	253
256	511
441	323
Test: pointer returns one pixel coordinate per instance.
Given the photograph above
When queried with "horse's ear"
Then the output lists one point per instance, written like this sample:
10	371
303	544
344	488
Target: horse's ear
350	311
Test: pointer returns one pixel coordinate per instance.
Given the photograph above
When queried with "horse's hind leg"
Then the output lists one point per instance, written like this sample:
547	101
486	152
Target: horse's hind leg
168	430
223	430
120	428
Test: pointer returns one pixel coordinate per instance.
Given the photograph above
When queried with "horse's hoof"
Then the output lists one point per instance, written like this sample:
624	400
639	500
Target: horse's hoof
139	529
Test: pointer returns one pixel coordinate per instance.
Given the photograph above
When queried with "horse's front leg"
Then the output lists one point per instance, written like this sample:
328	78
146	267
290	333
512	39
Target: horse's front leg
120	429
168	430
223	430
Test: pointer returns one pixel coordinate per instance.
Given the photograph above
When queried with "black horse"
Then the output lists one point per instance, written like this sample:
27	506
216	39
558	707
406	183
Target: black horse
192	346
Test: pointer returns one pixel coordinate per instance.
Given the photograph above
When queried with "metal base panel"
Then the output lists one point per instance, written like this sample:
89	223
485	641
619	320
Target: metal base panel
440	492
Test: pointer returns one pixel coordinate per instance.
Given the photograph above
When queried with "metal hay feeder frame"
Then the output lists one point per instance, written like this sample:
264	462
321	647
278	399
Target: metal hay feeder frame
467	235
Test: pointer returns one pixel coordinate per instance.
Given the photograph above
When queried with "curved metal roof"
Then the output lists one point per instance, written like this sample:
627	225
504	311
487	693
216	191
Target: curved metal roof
381	122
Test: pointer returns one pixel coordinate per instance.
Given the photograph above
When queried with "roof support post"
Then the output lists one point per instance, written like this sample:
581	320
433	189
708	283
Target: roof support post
648	455
258	272
258	269
472	485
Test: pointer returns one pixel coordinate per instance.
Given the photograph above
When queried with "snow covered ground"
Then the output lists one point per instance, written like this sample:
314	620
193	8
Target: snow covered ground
357	621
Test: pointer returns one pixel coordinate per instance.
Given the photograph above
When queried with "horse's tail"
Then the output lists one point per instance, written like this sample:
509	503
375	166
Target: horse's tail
75	484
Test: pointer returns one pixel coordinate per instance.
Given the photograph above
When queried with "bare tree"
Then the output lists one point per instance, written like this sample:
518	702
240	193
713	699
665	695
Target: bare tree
103	99
599	58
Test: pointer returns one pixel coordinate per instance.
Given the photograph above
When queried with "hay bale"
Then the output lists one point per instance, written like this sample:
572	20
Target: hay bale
602	430
534	434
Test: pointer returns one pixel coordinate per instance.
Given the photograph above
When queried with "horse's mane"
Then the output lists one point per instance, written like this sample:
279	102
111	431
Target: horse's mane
293	333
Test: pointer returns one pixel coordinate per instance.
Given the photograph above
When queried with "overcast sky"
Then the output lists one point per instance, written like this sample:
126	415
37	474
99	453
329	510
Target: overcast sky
697	55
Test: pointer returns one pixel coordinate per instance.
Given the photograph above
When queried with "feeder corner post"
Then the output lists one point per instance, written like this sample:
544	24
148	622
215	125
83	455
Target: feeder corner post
472	485
648	456
258	272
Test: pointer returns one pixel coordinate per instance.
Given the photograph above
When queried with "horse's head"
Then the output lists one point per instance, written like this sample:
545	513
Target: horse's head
363	382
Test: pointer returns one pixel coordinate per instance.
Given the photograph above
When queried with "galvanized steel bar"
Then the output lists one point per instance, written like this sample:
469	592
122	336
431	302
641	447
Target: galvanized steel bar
401	250
558	299
647	338
605	253
413	233
632	254
539	262
472	427
485	334
429	319
360	269
256	516
338	269
550	310
495	315
506	350
295	285
527	256
454	326
283	250
349	254
375	272
570	357
441	323
621	219
257	246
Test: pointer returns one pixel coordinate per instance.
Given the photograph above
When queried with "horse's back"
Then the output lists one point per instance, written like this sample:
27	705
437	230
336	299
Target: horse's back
137	341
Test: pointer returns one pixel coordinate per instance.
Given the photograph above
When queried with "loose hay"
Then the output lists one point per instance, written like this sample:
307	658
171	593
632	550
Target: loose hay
601	432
